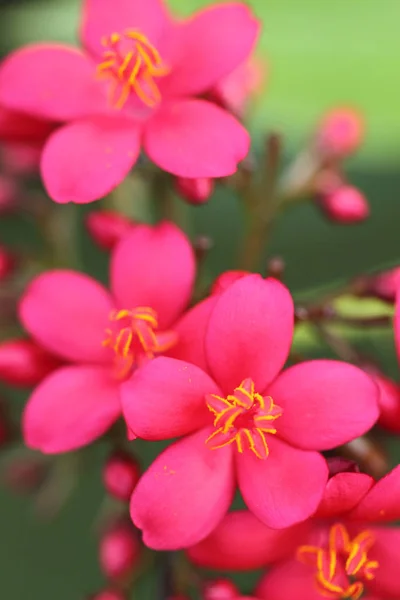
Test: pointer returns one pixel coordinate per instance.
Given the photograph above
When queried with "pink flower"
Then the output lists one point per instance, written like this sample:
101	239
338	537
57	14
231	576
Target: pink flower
104	335
340	132
312	558
134	85
241	420
234	91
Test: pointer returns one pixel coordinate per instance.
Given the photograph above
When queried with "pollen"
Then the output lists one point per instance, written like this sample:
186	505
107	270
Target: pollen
132	65
244	418
343	565
134	338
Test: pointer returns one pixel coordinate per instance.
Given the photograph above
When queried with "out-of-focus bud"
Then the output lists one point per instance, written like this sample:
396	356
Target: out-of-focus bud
20	158
345	205
223	281
384	285
220	589
195	191
234	91
24	364
120	475
340	132
8	194
339	464
389	402
24	475
107	227
7	263
119	550
108	594
18	126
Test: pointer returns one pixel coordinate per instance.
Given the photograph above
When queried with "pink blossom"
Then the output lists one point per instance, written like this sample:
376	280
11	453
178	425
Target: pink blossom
240	419
340	132
135	84
105	335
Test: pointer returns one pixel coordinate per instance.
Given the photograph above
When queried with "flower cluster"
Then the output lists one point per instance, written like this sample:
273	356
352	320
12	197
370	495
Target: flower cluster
247	433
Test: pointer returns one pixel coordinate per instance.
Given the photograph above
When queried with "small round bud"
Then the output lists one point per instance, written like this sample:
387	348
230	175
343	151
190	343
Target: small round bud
120	475
345	205
220	589
385	285
195	191
24	364
340	132
107	227
108	594
119	550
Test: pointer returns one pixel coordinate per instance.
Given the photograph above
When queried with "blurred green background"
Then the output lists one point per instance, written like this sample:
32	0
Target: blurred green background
319	54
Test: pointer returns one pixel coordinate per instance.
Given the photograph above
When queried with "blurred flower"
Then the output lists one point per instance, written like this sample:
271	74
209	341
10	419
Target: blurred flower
340	132
384	285
119	550
109	594
120	475
195	191
246	423
220	589
107	227
149	68
23	363
345	205
105	335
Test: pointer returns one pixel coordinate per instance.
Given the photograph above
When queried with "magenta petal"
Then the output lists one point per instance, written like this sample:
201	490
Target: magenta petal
285	488
86	160
325	403
154	266
386	551
185	493
242	542
382	502
194	138
51	81
213	43
166	398
343	492
289	580
72	407
67	313
103	17
249	332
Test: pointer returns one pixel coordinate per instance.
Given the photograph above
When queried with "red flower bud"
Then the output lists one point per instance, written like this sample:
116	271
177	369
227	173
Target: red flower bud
7	263
24	364
345	205
107	227
108	595
385	285
120	475
220	589
195	191
340	132
119	550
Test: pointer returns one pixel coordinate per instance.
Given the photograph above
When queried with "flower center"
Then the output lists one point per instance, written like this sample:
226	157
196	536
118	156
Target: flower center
133	338
132	64
245	417
342	565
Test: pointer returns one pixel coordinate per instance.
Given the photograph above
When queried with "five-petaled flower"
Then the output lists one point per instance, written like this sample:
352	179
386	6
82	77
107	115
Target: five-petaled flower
136	84
105	335
241	420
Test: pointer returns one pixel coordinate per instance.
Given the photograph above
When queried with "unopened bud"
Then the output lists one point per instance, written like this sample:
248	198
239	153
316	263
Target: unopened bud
24	364
389	402
120	475
340	132
7	263
385	285
223	281
195	191
119	550
108	594
345	205
220	589
339	464
107	227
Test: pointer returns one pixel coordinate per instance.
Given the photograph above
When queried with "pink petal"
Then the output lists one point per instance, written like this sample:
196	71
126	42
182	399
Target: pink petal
190	331
242	542
213	43
382	502
72	407
249	332
343	492
386	551
86	160
289	580
166	398
285	488
194	138
185	493
102	18
51	81
325	403
154	266
67	312
389	403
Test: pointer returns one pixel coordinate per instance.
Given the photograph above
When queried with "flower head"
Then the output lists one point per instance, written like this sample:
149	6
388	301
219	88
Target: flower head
134	85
